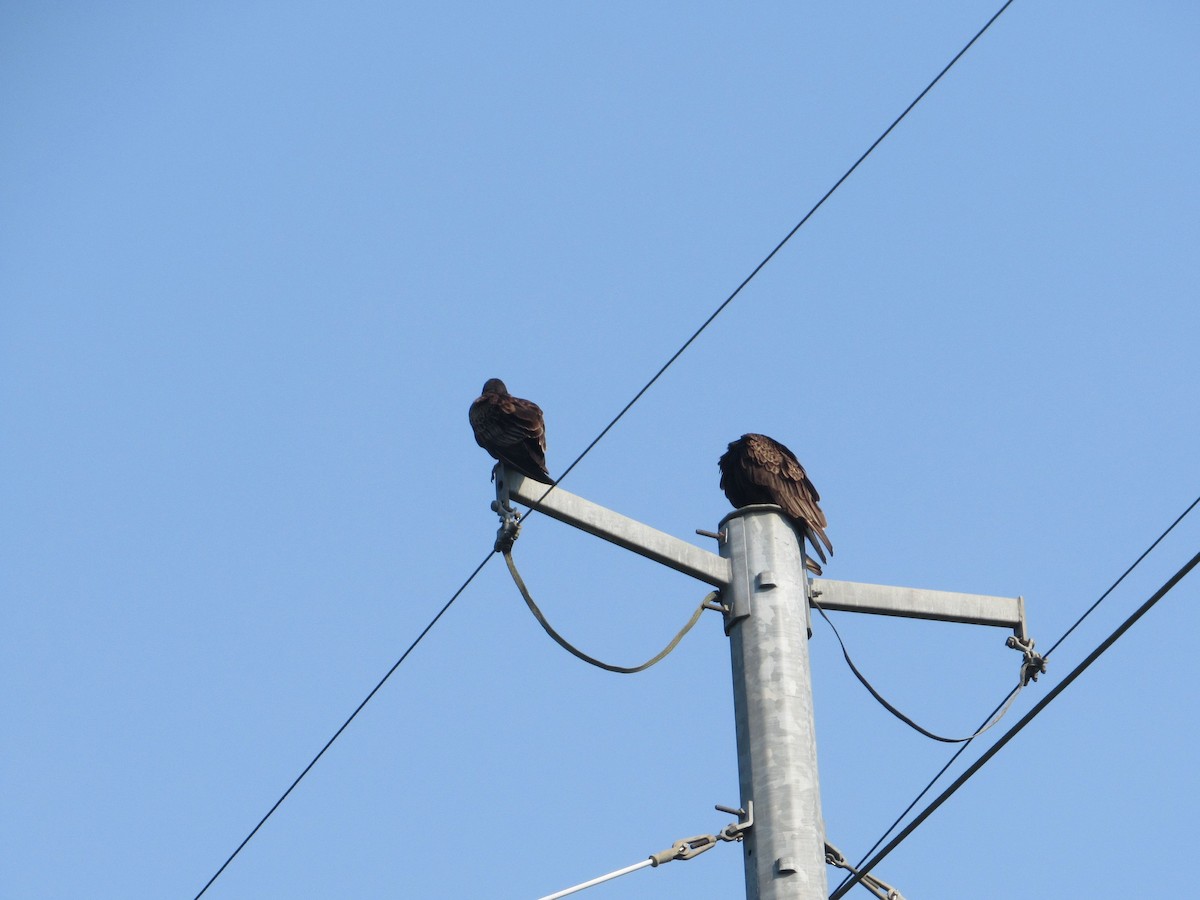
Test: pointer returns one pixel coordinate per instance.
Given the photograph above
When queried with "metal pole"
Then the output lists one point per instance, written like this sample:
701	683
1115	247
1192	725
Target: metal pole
767	624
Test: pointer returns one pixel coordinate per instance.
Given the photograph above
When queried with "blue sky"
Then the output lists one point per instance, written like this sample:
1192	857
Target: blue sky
259	257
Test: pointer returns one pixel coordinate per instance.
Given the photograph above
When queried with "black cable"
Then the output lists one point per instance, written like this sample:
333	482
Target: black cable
1091	608
337	733
934	780
1012	732
957	753
779	246
988	724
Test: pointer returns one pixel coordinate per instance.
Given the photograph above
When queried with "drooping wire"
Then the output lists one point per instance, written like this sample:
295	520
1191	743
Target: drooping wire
886	704
345	724
1011	695
1012	732
591	660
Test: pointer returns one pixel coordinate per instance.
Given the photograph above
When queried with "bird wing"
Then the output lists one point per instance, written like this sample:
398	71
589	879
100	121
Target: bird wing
773	468
513	430
501	422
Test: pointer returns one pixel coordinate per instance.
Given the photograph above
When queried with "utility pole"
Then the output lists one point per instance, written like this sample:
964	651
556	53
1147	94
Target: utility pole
767	624
766	595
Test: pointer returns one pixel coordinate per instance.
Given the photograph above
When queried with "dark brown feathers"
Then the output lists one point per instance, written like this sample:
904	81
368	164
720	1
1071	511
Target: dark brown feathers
512	430
759	469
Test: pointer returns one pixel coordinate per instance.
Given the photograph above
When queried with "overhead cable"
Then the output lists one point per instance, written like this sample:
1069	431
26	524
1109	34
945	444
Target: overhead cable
987	725
706	603
1008	699
345	724
1012	732
1113	587
787	237
687	848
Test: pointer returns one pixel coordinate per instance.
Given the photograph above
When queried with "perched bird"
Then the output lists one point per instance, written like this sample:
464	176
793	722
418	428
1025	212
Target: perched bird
512	430
759	469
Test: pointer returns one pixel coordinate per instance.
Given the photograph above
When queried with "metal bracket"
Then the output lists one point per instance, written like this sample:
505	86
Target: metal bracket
1034	664
881	889
689	848
735	831
720	607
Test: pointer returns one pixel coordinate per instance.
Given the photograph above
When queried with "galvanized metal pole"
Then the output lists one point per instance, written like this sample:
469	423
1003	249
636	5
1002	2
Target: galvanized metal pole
761	574
767	624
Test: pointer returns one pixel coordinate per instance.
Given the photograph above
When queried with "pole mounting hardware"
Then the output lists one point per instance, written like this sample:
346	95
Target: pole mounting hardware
1034	664
735	831
689	848
510	519
718	604
882	890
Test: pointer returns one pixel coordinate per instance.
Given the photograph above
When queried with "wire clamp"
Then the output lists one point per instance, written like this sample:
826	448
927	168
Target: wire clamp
882	890
510	519
688	848
1034	664
717	604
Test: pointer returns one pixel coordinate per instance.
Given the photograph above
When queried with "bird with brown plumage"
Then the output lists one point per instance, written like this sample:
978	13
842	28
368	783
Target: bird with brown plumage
512	430
759	469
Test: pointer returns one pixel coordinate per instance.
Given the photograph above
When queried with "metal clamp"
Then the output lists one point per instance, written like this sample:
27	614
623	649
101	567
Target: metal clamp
717	604
510	519
881	889
689	848
685	849
1034	664
735	831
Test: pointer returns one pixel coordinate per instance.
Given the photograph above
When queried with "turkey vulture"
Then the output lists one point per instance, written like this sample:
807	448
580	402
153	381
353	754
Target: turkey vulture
759	469
512	430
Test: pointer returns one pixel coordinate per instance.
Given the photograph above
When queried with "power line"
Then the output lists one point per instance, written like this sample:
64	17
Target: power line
808	215
1133	566
988	724
925	790
607	428
1011	694
1012	732
337	733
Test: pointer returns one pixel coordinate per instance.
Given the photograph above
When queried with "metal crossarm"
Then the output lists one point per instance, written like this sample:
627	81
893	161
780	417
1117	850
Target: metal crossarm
918	603
614	527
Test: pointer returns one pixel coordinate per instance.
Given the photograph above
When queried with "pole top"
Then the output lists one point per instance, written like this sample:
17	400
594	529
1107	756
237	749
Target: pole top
752	508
